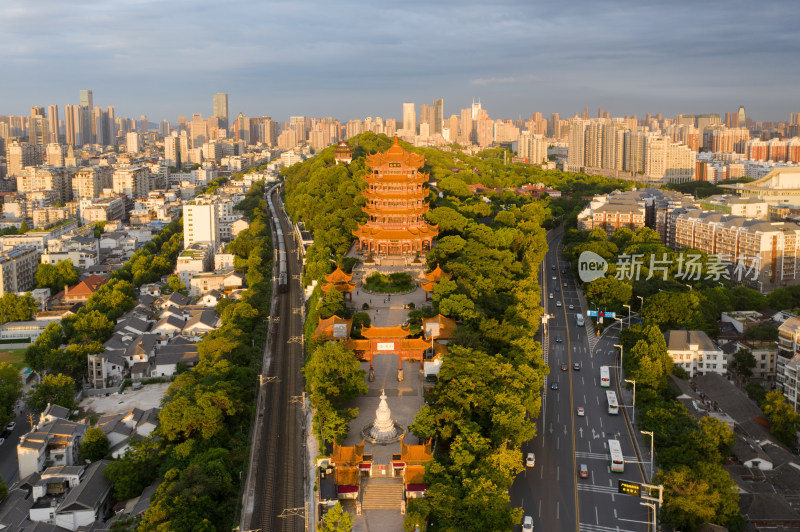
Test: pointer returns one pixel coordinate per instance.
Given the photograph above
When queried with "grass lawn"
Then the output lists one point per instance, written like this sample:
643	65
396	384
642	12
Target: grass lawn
15	357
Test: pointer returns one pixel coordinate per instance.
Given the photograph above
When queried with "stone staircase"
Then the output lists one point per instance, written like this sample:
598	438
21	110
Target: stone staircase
382	494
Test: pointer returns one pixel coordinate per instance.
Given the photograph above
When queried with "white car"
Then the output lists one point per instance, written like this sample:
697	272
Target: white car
527	524
558	303
530	461
580	411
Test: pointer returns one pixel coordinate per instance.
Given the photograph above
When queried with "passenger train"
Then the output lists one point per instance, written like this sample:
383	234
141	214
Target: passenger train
280	245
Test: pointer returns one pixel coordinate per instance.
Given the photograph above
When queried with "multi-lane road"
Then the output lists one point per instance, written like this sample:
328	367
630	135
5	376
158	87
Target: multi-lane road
551	491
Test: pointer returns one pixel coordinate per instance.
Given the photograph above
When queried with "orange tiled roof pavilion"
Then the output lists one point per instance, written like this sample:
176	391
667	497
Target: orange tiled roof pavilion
396	205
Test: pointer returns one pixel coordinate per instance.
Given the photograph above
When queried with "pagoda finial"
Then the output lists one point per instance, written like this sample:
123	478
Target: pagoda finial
396	142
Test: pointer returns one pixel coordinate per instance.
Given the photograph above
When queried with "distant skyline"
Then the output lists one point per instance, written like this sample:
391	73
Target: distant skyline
352	59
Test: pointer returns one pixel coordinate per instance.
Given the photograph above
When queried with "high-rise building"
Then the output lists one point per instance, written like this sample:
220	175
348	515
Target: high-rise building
476	107
201	222
86	99
171	149
438	115
132	142
52	122
198	131
72	123
133	181
37	127
46	179
143	124
742	117
18	269
298	123
409	117
221	109
467	134
55	154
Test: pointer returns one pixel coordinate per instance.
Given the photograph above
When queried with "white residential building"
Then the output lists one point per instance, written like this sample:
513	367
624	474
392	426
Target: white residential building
695	352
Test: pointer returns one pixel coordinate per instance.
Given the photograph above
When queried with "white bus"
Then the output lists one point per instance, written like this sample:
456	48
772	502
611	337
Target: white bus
605	377
617	463
613	405
579	319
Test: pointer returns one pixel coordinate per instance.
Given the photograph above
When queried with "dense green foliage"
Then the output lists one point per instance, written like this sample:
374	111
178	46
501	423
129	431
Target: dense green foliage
94	445
389	284
784	421
333	376
54	389
337	520
17	308
10	388
57	276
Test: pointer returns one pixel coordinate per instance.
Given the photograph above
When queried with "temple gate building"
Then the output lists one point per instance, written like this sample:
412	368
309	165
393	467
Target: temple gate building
395	192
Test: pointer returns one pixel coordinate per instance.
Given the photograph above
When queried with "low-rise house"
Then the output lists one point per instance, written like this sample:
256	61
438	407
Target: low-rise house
169	326
201	323
223	281
105	369
168	358
82	291
766	356
695	352
211	298
175	299
120	428
53	441
71	507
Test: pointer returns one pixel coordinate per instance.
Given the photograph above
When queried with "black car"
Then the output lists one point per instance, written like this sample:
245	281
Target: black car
553	267
558	340
433	379
554	386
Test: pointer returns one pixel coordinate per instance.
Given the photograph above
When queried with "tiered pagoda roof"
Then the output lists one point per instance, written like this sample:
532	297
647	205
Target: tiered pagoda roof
433	277
396	191
339	280
395	154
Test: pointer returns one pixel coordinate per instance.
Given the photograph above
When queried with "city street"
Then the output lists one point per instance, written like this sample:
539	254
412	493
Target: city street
551	492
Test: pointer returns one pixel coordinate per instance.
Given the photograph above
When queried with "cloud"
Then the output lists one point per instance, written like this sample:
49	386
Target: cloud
350	59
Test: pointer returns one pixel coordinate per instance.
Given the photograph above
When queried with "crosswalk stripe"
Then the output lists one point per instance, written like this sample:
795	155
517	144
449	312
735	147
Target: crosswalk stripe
597	488
589	527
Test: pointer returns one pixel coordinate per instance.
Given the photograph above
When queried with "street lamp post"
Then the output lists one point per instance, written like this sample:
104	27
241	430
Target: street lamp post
620	355
641	304
652	438
629	316
633	406
620	320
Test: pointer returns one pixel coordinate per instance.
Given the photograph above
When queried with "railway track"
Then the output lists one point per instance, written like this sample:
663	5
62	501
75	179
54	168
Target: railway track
278	502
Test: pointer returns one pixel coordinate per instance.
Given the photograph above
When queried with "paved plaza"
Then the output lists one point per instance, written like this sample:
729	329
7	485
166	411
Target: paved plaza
404	398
